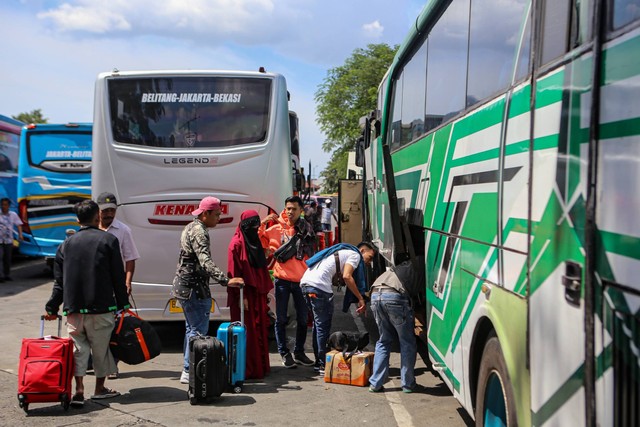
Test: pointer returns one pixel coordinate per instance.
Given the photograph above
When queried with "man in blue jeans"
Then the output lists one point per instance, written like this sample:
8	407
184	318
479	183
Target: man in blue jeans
391	306
339	262
195	267
291	240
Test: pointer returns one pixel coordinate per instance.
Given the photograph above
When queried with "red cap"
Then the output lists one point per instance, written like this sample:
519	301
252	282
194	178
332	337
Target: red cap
209	203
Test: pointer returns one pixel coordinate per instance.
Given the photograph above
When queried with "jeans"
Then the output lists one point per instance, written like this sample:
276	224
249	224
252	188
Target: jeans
284	288
321	305
196	319
394	317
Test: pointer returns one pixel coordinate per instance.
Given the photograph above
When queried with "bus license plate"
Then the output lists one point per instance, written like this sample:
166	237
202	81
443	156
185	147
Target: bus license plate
175	307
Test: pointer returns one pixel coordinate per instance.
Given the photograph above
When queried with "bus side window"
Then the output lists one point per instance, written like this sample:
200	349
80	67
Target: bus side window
492	47
522	66
447	65
5	164
555	25
624	12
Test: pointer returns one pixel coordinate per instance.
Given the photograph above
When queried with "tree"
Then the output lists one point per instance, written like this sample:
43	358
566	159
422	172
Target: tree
346	94
34	116
336	169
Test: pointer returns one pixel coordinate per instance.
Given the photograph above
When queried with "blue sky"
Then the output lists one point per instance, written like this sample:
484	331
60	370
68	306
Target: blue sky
52	51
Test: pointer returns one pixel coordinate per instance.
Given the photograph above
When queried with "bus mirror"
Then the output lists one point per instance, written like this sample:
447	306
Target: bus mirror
360	151
298	181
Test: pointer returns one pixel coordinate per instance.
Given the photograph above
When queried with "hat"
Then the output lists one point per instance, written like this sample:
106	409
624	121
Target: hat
209	203
327	201
107	201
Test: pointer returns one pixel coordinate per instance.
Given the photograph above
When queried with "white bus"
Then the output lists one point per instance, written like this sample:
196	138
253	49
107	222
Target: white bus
162	140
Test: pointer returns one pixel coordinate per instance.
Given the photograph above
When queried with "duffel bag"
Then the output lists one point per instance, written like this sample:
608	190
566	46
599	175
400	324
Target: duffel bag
134	340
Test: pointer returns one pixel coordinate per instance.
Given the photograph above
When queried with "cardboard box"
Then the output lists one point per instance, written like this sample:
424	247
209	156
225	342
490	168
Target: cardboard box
355	371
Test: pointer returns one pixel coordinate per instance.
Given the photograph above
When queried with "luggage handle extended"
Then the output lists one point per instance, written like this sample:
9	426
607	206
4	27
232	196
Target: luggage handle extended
241	287
241	305
42	325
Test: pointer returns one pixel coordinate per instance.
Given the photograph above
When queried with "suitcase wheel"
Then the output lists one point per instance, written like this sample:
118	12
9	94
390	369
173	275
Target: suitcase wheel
192	397
22	402
237	389
64	401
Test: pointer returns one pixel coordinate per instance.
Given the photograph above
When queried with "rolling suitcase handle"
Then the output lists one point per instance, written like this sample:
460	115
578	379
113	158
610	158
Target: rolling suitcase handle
42	325
241	305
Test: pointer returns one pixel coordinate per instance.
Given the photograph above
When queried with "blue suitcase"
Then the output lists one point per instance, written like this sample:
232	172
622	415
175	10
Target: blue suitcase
234	337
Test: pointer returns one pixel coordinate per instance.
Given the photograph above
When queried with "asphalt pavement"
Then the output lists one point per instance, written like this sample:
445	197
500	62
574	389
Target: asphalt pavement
153	396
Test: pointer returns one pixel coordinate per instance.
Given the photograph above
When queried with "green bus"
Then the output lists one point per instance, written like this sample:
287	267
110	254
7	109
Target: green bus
504	155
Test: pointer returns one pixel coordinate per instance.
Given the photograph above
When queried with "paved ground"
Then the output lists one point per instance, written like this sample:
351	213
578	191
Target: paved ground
152	394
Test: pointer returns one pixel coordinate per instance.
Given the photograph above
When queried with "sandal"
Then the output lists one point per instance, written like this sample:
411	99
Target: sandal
77	400
106	394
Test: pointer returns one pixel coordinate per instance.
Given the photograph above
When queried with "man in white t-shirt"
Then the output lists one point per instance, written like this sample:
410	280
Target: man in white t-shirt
108	222
317	288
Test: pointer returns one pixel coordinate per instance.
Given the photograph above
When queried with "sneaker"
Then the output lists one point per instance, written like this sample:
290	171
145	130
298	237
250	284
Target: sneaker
288	362
376	390
184	377
319	368
415	389
302	359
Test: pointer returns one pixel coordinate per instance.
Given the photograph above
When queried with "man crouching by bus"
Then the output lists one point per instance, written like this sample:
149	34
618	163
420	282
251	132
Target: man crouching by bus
195	267
89	282
291	241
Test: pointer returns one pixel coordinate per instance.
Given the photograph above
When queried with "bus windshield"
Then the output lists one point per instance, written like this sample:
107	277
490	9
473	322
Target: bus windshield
59	151
189	112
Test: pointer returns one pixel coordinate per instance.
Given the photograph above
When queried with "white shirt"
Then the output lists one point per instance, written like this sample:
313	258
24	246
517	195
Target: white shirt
7	222
326	215
125	238
319	276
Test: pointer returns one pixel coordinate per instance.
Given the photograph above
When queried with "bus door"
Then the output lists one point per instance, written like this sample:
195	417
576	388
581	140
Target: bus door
350	210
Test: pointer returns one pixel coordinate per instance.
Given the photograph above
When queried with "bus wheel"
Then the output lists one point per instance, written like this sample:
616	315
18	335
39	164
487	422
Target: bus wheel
495	403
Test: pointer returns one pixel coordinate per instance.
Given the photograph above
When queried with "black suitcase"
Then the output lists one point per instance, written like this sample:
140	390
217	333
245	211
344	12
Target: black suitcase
207	369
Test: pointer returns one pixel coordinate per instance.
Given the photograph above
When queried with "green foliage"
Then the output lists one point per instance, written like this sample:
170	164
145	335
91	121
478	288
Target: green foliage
348	93
336	169
34	116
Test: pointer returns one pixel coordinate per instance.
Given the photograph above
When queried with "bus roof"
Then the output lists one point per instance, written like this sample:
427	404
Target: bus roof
190	73
53	127
9	122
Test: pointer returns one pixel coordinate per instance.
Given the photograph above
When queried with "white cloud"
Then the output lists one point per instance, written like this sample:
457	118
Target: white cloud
83	18
373	30
318	31
242	19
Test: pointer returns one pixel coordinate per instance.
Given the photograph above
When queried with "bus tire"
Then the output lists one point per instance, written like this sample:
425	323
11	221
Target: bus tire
495	401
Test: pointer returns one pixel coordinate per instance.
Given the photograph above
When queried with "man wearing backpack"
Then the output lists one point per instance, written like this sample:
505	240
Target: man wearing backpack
339	265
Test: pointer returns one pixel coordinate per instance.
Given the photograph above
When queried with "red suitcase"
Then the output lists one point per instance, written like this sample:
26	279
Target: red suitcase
45	370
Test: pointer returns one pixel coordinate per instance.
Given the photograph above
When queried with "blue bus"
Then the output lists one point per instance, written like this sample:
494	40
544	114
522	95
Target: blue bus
53	175
9	142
